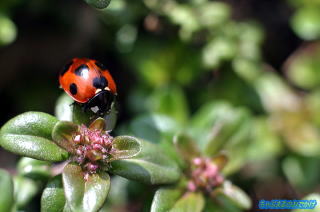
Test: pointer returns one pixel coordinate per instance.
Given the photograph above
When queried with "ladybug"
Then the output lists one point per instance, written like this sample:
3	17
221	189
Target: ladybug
89	83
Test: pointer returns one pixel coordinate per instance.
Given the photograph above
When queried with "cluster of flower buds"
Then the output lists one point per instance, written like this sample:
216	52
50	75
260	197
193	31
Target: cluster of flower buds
205	175
93	149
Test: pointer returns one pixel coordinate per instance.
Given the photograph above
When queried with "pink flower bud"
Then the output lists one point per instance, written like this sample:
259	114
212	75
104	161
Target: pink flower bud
197	161
77	139
191	186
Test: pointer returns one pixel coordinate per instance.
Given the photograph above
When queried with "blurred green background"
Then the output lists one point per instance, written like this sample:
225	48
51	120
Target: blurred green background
249	66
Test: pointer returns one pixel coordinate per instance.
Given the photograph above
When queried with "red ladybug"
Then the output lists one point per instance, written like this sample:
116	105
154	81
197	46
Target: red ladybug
89	83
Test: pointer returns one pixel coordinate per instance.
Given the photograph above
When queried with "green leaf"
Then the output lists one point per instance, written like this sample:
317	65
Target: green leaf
218	50
99	4
220	160
84	195
186	146
190	202
302	66
6	184
62	135
305	23
111	117
53	198
118	195
302	172
63	109
165	198
274	92
8	30
214	125
29	134
79	116
24	190
170	101
125	147
213	14
265	143
150	165
98	124
154	127
35	169
230	193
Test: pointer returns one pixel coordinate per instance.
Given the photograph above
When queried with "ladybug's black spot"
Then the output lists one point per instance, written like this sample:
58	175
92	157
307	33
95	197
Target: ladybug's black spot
73	89
100	82
101	66
66	68
79	71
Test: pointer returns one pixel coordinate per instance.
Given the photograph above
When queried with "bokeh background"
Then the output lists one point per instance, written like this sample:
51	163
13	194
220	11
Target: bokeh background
172	60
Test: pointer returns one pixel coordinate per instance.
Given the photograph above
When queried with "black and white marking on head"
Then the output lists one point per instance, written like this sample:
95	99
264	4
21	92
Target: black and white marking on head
101	66
81	69
73	89
100	82
66	68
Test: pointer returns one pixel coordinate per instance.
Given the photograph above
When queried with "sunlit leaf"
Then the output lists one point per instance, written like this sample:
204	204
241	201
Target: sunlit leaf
62	135
53	198
29	134
165	198
150	165
125	147
229	193
35	169
24	190
6	184
190	202
84	195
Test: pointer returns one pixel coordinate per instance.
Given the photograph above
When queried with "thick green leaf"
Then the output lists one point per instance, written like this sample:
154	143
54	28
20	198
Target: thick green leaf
186	146
79	116
302	66
230	193
99	4
35	169
125	147
98	124
62	134
274	93
24	190
118	194
165	198
154	127
63	109
215	124
225	129
302	172
190	202
169	101
305	23
29	134
8	30
220	160
150	165
84	195
53	198
265	142
237	147
111	117
6	184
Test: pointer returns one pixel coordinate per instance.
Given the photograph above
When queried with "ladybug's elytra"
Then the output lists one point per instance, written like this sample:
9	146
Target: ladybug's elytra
89	83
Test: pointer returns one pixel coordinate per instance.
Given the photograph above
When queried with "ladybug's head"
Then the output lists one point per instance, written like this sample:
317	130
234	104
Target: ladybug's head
100	103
